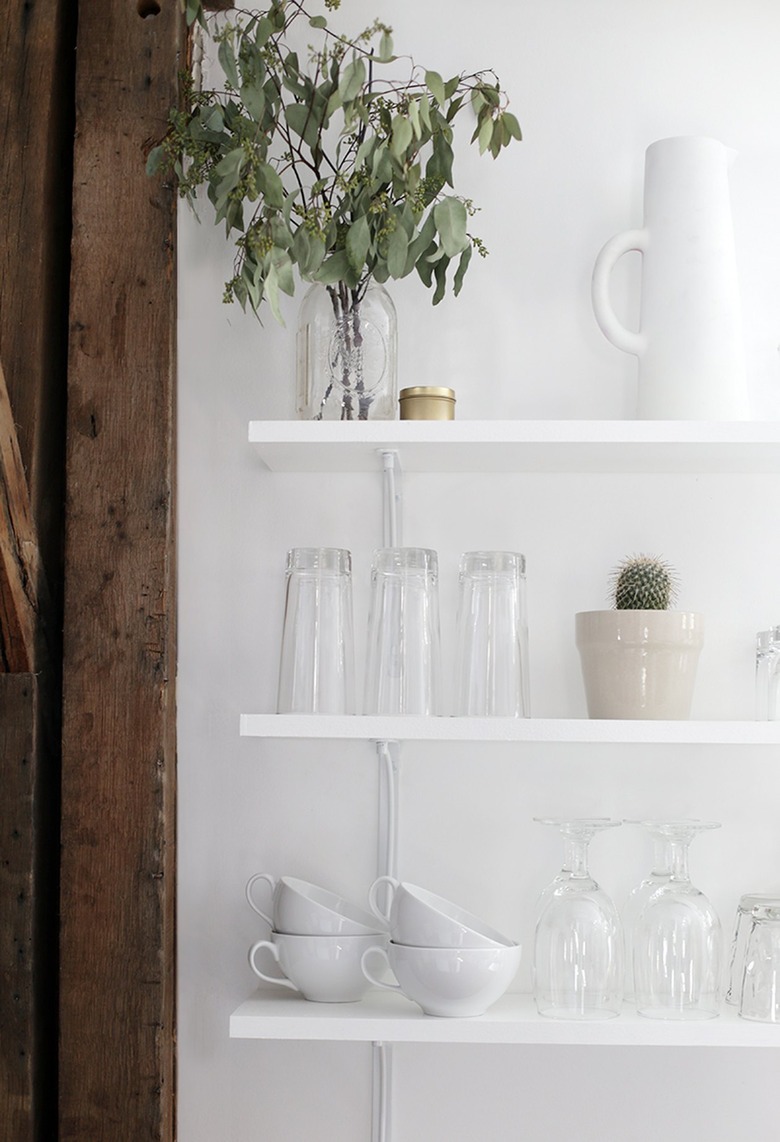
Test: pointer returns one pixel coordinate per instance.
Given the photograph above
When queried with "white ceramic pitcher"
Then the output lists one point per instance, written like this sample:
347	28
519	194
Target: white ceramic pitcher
689	342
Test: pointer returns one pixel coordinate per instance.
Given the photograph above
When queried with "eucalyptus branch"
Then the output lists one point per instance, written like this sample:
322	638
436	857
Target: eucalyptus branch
364	187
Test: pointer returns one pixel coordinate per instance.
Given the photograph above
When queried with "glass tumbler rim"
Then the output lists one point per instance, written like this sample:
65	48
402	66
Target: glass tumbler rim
767	638
487	563
388	560
750	900
334	559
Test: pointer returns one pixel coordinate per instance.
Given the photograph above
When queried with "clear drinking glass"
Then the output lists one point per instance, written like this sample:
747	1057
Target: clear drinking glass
760	989
742	925
403	664
676	937
578	944
317	668
768	675
491	658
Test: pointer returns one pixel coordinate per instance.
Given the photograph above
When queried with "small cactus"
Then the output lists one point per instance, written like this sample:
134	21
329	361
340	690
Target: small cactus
644	583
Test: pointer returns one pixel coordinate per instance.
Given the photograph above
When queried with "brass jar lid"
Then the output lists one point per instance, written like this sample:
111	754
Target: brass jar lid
427	391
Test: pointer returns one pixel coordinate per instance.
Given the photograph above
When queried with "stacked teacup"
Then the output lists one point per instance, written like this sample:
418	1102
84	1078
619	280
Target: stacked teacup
317	939
444	958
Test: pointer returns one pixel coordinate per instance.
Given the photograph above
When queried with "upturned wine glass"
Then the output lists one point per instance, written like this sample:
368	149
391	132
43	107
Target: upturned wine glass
676	936
659	874
578	945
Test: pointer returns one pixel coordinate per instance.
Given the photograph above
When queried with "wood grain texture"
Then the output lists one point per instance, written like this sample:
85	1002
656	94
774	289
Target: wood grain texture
37	43
36	129
17	928
117	1030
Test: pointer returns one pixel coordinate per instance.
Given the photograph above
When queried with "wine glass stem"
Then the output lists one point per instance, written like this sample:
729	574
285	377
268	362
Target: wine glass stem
575	856
678	857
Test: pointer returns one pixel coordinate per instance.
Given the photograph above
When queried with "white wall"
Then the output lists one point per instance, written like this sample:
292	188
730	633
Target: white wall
592	82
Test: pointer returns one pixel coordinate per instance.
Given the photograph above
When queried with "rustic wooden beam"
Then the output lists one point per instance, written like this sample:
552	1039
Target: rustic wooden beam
118	766
37	42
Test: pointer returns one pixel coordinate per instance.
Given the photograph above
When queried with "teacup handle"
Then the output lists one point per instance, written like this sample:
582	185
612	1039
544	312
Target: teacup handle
272	880
373	903
371	979
281	980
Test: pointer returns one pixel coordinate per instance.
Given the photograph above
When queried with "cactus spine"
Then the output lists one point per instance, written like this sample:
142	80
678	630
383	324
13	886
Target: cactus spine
644	583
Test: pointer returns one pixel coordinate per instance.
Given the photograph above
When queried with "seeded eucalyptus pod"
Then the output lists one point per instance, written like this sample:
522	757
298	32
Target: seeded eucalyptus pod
644	583
323	163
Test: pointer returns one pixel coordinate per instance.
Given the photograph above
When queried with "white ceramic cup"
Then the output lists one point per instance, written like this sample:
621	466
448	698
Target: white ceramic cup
302	909
420	918
451	982
325	969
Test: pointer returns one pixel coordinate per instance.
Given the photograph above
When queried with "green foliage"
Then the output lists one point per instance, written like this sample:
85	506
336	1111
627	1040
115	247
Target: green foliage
644	583
326	167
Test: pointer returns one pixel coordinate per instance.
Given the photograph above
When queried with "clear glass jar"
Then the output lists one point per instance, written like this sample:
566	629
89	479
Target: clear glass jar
347	353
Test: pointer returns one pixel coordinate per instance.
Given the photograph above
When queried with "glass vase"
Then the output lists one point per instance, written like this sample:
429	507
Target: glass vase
347	353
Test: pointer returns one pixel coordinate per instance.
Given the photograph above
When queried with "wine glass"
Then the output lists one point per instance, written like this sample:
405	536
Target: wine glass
676	935
659	874
578	946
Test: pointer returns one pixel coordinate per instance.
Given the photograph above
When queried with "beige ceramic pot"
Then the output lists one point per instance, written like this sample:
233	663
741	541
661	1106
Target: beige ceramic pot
639	664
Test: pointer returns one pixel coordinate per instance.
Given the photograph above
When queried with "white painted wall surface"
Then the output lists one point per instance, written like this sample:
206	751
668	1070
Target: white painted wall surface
592	82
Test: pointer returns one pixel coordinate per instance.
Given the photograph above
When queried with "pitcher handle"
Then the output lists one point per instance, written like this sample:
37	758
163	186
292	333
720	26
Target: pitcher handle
614	330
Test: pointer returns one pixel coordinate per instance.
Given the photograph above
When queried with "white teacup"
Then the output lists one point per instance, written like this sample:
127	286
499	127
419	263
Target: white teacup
325	969
447	981
418	917
302	909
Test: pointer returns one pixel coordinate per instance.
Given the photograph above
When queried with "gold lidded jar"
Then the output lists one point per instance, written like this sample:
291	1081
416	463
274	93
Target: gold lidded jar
427	402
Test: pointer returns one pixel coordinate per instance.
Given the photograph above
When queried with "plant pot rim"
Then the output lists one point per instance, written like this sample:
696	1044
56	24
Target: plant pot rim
640	626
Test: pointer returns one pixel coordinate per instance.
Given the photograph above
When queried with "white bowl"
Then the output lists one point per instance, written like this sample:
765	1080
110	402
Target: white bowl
325	969
302	909
447	981
419	918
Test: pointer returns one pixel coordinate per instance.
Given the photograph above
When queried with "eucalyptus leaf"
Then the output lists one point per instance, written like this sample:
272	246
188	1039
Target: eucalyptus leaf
435	85
334	269
485	134
352	79
403	134
253	98
440	273
270	185
227	61
397	248
451	220
155	160
463	265
357	243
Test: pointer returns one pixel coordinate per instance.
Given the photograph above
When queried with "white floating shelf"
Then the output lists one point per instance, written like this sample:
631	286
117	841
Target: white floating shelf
390	1017
520	446
520	730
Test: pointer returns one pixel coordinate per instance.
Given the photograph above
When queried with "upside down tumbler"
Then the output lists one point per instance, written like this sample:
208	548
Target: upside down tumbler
316	671
491	661
403	659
